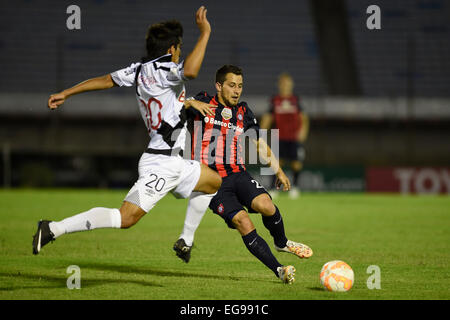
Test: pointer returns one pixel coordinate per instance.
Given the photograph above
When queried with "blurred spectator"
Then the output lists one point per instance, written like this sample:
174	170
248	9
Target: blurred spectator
287	115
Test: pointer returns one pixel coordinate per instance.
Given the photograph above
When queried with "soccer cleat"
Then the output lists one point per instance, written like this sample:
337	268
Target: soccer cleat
182	250
299	249
42	236
286	274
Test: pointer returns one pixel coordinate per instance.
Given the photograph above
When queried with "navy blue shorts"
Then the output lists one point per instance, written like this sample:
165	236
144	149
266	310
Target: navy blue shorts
292	151
237	191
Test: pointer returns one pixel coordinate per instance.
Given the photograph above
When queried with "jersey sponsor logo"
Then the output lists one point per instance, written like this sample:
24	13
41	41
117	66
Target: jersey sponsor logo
147	81
227	114
228	125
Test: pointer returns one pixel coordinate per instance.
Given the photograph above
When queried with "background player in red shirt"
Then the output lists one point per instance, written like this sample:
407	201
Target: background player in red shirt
287	115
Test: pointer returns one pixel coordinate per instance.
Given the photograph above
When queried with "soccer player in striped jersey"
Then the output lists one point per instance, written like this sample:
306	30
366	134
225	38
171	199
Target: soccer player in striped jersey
159	84
219	142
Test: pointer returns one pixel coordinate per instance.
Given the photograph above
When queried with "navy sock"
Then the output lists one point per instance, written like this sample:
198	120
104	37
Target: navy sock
259	248
276	227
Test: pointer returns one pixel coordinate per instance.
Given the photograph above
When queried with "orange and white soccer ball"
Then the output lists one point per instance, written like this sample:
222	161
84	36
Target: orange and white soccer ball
337	276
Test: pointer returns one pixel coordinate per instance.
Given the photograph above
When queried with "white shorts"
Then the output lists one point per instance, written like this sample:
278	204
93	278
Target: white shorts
160	174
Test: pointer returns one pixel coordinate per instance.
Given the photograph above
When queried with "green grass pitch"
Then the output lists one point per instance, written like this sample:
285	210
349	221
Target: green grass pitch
408	237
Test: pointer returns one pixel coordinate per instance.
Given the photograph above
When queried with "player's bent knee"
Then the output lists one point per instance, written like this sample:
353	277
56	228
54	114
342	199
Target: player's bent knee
130	214
216	182
209	182
264	205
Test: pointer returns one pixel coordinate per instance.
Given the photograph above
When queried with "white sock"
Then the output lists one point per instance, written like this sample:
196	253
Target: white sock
94	218
198	203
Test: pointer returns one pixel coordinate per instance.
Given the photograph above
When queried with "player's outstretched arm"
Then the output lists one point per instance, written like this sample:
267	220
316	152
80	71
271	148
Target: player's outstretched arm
267	155
99	83
194	60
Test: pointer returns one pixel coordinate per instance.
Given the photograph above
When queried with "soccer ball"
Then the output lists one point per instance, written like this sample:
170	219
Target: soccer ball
337	276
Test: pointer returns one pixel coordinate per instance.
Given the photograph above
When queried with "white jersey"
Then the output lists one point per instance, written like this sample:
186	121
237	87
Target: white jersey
160	93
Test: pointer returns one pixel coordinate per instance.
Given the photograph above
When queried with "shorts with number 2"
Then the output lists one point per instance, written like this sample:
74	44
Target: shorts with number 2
236	192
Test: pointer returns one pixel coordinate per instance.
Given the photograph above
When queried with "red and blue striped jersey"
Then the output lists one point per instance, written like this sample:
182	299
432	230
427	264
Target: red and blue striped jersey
219	141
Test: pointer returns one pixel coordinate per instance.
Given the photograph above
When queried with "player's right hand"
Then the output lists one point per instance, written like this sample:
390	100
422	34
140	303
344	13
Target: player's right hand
56	100
202	107
282	180
201	20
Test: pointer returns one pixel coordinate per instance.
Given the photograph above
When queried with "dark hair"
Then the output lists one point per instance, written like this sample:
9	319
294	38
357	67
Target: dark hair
160	37
221	74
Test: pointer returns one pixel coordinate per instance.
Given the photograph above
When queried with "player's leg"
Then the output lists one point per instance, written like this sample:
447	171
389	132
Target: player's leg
273	221
296	164
130	214
91	219
256	199
296	167
209	181
226	204
141	198
144	194
259	248
96	218
271	218
199	183
197	206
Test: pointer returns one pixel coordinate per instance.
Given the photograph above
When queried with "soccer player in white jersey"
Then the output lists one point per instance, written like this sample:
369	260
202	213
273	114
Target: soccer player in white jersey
159	83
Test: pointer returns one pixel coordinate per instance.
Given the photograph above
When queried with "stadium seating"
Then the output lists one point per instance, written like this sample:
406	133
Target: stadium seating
409	55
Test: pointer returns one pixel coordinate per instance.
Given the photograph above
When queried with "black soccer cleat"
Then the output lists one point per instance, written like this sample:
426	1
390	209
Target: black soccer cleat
182	250
42	236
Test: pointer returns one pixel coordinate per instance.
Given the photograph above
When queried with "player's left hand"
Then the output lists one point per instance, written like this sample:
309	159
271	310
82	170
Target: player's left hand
201	20
56	100
282	180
